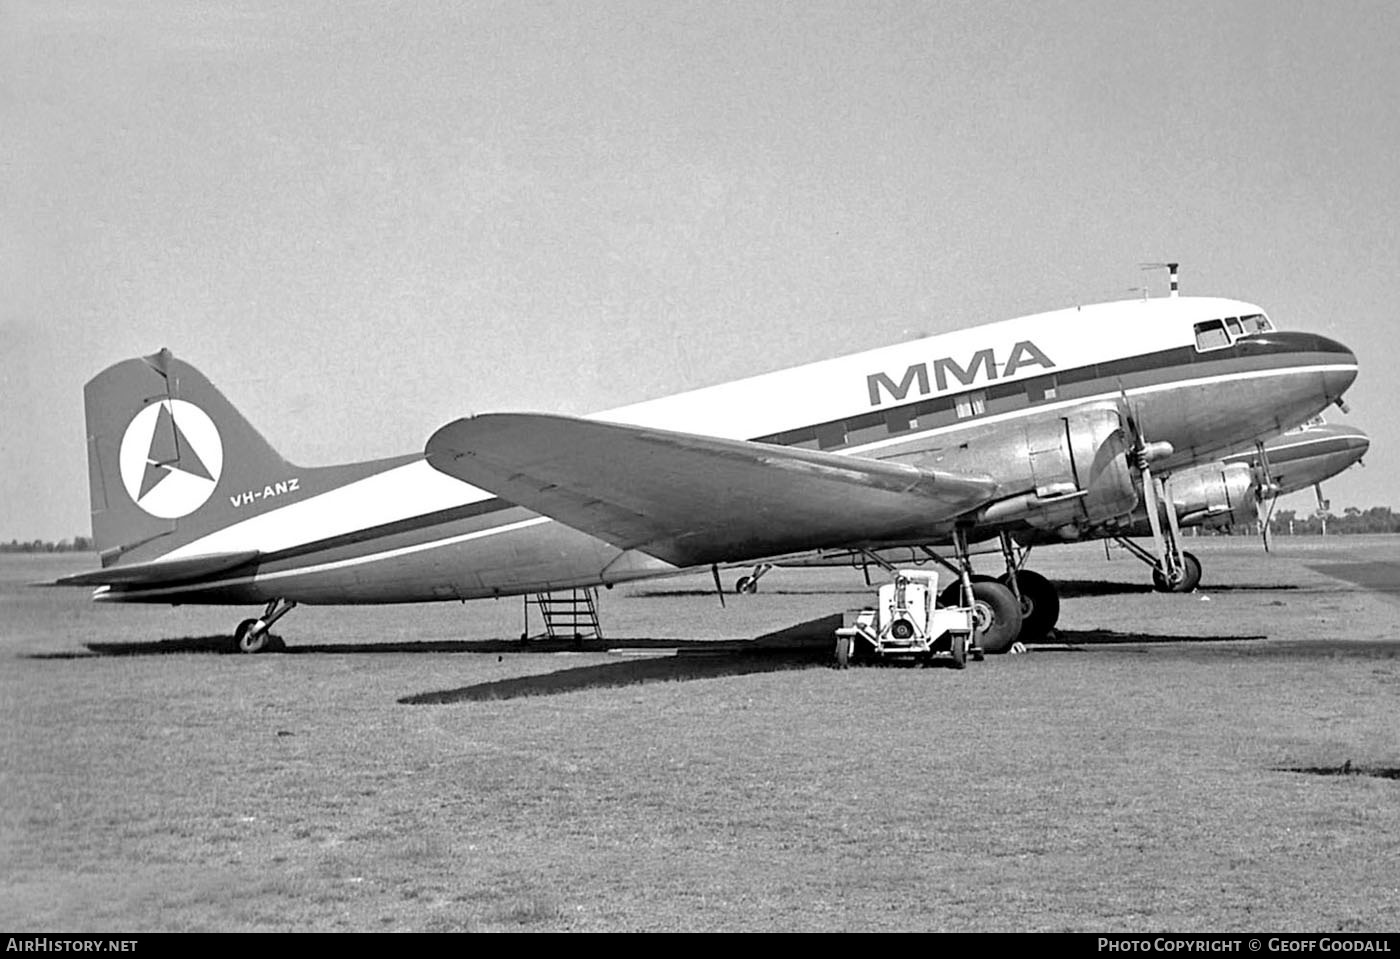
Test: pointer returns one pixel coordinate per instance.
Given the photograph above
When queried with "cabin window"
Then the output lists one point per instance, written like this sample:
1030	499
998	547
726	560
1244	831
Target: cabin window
831	436
1040	390
1256	323
1211	335
1233	325
900	421
971	404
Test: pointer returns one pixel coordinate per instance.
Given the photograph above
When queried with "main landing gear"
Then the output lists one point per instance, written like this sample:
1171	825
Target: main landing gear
252	635
1010	610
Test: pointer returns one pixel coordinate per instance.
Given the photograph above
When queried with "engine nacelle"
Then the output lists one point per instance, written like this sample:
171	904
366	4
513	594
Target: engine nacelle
1216	494
1075	470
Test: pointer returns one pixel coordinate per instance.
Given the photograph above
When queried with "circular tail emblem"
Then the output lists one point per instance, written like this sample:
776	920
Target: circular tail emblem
171	458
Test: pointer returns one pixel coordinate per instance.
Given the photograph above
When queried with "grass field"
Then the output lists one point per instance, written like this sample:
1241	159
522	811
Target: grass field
418	768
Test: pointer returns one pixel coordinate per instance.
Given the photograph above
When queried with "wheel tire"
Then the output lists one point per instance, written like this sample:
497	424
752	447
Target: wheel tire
1192	567
843	651
1040	605
1190	576
960	650
746	585
245	640
996	616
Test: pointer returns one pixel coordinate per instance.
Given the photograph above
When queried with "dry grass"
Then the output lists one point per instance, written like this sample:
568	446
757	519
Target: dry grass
403	769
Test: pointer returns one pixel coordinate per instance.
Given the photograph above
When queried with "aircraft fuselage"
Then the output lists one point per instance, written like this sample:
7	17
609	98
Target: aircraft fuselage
400	531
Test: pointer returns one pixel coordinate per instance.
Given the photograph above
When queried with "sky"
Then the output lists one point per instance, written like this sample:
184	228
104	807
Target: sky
364	220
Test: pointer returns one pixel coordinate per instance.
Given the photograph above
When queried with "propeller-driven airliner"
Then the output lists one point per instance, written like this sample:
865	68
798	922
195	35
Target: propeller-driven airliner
1059	422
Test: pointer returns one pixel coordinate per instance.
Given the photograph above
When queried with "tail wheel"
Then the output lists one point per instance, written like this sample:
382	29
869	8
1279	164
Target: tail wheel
1040	605
247	638
996	616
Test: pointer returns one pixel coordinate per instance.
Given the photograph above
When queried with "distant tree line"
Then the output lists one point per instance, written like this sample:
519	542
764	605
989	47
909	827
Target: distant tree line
1286	522
78	544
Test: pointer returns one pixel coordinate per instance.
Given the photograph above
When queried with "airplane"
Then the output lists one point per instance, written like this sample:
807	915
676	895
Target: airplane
1055	420
1239	489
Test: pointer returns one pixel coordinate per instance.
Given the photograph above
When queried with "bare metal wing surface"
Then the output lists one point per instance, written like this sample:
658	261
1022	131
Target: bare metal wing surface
690	499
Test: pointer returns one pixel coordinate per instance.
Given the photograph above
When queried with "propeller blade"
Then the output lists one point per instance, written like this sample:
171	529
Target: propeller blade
1266	497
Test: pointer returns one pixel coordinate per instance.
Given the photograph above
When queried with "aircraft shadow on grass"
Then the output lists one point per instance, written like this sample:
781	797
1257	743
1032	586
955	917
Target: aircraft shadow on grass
1076	588
1077	638
813	637
796	647
683	666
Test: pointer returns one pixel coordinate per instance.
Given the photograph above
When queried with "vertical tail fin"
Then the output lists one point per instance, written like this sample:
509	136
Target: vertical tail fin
164	449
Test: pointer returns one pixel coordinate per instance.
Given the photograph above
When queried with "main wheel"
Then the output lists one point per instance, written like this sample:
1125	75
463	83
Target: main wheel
996	616
746	584
1040	605
247	640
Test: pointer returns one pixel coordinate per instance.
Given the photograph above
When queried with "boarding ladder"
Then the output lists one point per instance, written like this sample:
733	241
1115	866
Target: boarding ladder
567	614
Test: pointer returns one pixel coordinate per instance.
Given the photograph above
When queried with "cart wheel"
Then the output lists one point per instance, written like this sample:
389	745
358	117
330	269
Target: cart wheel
843	651
960	650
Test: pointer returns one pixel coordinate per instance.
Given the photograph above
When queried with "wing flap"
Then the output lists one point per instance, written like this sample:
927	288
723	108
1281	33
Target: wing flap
691	499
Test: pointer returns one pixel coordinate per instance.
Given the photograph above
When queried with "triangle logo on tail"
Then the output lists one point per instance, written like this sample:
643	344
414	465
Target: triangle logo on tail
171	457
170	450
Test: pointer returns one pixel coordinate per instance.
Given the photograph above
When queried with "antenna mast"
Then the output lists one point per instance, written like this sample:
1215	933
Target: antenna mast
1171	269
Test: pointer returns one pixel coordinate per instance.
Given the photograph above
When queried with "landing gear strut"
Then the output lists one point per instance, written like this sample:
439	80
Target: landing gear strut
996	612
1187	568
1039	600
749	583
252	635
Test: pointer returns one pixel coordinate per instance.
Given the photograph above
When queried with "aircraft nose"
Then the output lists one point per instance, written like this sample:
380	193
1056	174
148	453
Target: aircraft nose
1340	369
1357	443
1334	361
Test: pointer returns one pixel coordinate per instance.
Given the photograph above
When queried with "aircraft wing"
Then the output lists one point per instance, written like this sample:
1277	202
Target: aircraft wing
689	499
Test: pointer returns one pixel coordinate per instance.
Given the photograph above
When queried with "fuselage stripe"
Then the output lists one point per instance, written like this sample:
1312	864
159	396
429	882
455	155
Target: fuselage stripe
1108	391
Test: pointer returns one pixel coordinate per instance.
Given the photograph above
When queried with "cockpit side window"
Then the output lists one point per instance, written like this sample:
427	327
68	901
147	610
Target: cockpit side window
1233	325
1211	335
1256	323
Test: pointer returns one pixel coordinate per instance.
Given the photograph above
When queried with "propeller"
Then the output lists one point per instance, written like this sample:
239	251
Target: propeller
1143	453
1266	497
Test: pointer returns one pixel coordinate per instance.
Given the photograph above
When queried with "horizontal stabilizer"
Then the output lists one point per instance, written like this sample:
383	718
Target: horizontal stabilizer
161	572
691	499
